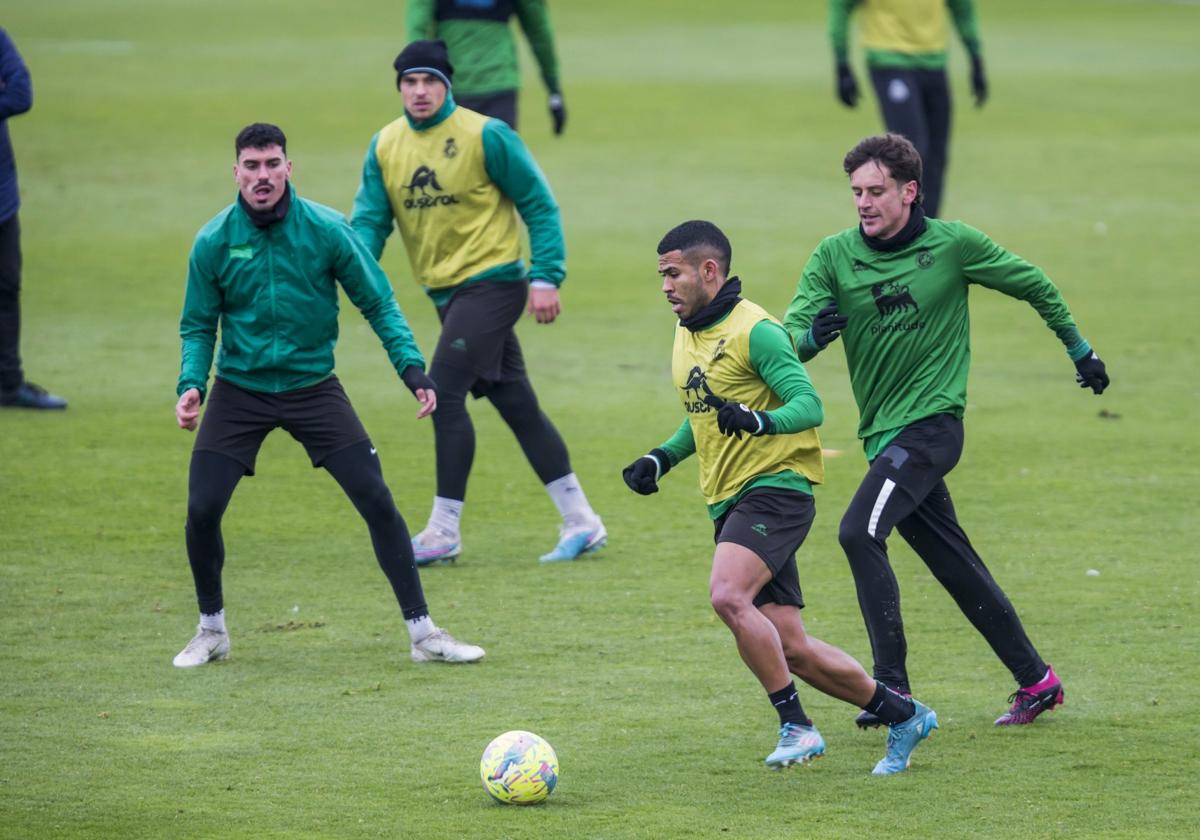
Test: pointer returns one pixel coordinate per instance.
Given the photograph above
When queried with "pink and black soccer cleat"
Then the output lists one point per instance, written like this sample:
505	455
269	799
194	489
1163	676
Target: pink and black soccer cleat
1028	703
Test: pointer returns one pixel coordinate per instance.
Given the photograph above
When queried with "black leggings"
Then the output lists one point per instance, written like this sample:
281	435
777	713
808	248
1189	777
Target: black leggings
211	482
904	489
916	103
454	433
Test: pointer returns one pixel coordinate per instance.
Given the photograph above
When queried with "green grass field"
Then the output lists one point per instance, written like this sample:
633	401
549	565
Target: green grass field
319	726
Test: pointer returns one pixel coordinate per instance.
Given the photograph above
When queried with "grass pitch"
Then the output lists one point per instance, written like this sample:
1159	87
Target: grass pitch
318	726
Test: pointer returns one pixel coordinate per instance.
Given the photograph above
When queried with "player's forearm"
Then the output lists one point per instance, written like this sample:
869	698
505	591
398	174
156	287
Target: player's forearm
535	23
798	322
967	24
681	444
196	361
839	28
772	356
16	89
389	324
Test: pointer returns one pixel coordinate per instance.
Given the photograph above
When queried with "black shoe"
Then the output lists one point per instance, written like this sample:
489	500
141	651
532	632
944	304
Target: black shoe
28	395
866	720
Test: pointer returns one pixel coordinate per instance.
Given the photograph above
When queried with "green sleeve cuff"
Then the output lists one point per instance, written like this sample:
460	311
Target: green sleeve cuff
1079	351
807	347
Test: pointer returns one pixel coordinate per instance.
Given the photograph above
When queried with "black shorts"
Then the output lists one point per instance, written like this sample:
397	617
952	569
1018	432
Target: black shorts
478	335
237	420
771	522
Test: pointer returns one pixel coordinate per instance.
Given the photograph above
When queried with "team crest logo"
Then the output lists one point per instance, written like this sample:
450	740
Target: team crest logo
450	150
719	352
898	91
924	258
893	297
425	179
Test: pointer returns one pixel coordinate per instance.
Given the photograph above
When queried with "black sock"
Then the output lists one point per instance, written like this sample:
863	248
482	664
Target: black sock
889	706
787	702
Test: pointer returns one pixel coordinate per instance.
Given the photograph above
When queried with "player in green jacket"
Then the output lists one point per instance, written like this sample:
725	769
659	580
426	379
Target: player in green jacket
895	288
484	54
266	271
457	184
905	42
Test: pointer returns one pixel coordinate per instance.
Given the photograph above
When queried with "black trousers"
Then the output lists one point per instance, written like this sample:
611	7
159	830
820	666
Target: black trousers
502	105
905	489
478	353
11	375
211	482
916	103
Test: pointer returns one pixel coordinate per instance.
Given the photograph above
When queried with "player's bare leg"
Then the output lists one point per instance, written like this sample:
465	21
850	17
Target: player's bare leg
836	673
738	574
826	668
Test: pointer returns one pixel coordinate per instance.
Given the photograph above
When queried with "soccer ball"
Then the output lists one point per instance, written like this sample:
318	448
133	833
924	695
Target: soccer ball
519	768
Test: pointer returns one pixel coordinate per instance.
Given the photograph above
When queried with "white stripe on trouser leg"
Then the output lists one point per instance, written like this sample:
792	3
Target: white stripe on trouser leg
880	501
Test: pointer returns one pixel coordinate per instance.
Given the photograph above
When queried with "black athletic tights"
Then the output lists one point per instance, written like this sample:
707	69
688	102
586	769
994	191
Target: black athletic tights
454	434
211	482
904	489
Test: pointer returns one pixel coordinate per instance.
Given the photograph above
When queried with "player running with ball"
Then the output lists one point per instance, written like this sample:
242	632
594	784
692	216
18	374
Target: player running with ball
751	414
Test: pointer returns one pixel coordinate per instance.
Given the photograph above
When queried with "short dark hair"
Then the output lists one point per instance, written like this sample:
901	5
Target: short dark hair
894	152
699	234
259	136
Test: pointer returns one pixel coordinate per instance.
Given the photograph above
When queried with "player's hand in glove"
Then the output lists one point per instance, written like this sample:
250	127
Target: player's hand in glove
735	418
847	85
1089	373
979	85
827	326
643	474
558	112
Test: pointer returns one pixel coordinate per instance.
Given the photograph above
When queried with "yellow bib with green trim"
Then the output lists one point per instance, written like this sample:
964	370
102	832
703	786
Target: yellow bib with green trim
455	222
716	361
905	26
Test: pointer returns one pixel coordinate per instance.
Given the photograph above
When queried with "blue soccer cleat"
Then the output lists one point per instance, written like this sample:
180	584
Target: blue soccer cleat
434	544
573	542
797	744
903	739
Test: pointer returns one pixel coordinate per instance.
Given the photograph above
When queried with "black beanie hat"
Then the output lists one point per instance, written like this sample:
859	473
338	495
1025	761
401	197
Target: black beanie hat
424	57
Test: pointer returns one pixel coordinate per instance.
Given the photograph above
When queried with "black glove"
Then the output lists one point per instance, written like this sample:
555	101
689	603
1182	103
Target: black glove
414	378
978	80
643	474
735	418
827	326
847	87
558	112
1089	373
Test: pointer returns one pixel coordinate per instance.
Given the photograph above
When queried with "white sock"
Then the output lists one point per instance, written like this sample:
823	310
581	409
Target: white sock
419	627
568	497
446	513
215	621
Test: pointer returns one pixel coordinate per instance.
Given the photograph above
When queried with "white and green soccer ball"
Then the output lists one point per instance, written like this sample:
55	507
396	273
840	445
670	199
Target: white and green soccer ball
519	768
